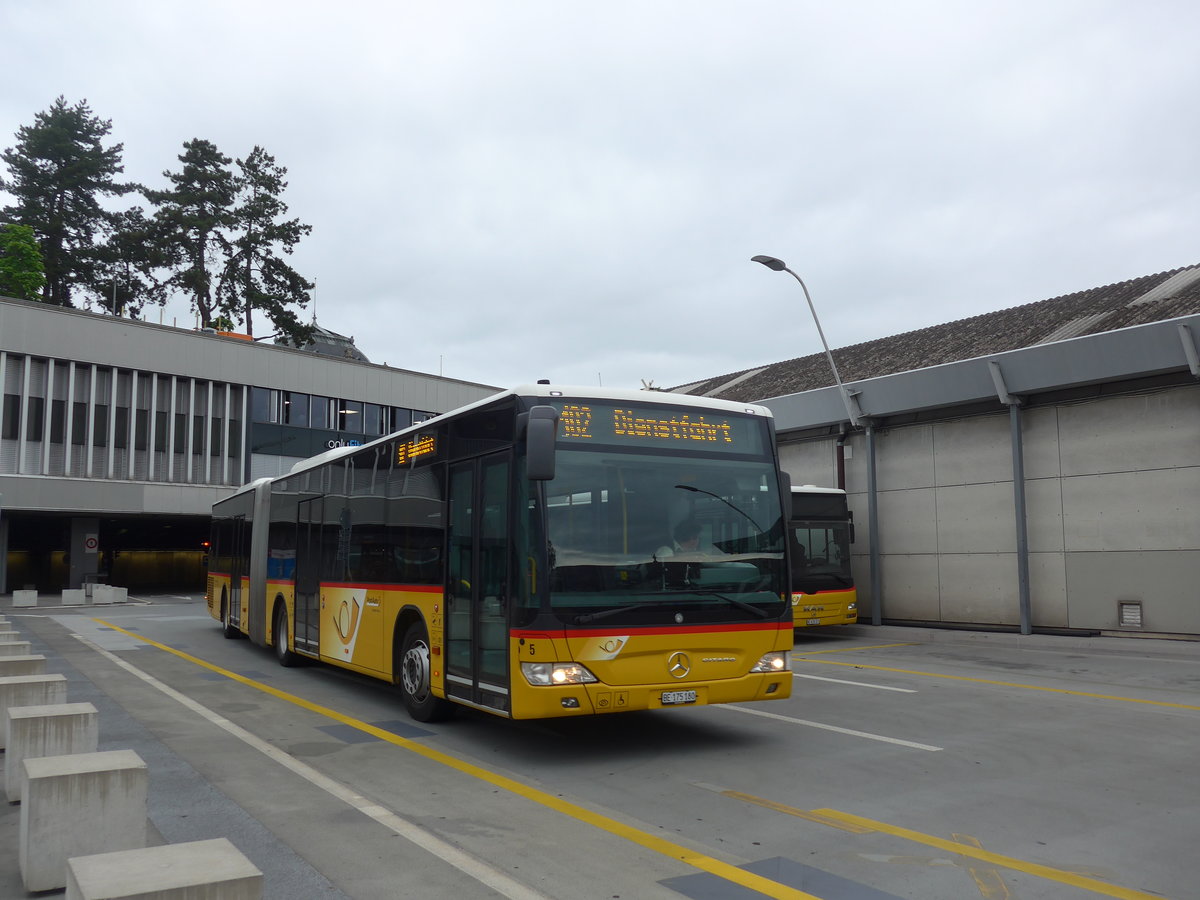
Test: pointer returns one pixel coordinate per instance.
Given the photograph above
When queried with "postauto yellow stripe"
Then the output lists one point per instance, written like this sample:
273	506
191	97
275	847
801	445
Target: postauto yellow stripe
686	855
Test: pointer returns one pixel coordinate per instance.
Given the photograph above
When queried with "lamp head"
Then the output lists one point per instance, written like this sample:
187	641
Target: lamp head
776	265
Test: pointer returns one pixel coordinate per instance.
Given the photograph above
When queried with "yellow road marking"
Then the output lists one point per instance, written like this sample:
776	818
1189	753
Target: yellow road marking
1012	684
987	879
793	811
659	845
995	859
850	649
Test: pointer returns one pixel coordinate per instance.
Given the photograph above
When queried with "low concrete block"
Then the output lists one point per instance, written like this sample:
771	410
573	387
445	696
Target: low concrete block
54	730
120	594
7	634
101	594
198	870
15	648
28	690
73	597
79	805
34	664
22	599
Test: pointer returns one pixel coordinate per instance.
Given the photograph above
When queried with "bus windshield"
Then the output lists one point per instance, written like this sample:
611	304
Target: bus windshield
644	539
820	555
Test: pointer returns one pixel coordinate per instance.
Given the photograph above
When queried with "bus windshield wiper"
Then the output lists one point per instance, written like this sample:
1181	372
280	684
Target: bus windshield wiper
605	613
741	604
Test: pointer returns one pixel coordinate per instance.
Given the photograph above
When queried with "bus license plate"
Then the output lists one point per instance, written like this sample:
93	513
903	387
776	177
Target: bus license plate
669	697
814	621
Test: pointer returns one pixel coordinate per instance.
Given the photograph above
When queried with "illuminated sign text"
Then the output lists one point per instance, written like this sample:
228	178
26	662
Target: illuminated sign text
407	451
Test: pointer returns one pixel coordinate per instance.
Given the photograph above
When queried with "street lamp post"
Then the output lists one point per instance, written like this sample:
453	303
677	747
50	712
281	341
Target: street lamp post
778	265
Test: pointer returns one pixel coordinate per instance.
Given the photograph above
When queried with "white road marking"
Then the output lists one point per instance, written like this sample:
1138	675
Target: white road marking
878	687
850	731
464	862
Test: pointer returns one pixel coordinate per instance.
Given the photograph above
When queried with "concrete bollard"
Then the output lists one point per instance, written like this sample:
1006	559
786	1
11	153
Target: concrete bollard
54	730
79	805
73	597
34	664
197	870
22	599
120	594
15	648
101	595
28	690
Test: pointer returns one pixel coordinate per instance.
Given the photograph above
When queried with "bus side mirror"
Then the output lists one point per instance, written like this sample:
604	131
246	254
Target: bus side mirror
785	492
541	431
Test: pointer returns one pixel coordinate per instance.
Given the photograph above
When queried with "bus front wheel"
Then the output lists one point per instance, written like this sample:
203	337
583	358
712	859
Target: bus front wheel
415	687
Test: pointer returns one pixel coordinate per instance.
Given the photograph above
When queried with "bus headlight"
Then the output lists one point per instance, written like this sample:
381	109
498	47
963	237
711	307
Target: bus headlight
547	673
775	661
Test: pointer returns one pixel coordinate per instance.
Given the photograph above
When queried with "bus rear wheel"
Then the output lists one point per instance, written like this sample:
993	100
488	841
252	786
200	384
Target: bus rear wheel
280	634
415	682
227	627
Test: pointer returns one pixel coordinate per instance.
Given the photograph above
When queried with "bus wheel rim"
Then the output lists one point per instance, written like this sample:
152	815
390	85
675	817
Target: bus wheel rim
415	671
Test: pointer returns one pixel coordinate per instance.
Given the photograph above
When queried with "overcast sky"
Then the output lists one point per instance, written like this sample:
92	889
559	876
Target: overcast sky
507	191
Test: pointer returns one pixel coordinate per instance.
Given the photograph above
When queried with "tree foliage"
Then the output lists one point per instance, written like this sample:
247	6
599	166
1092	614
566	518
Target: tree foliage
190	225
22	274
220	236
216	235
59	172
255	275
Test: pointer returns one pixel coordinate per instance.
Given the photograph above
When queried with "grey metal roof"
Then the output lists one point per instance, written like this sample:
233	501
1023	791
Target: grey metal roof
1139	301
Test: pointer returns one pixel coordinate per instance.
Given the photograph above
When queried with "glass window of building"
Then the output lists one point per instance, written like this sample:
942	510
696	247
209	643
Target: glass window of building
264	405
373	418
320	416
350	416
295	409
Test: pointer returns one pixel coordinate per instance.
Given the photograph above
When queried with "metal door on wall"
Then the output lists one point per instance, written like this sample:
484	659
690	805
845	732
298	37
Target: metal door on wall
477	600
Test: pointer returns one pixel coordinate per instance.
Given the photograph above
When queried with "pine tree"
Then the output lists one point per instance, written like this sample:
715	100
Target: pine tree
256	276
59	171
190	225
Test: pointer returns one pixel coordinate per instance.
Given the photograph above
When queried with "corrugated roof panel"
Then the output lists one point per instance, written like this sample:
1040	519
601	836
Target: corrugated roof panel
1178	282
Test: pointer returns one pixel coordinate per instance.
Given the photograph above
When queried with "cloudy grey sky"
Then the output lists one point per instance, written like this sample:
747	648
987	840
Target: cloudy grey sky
506	191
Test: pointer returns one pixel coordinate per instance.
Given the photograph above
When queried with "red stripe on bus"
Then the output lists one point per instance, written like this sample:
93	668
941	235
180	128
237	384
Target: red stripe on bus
652	629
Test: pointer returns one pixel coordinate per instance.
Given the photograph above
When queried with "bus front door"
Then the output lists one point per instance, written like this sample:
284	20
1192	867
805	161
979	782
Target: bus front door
309	527
477	602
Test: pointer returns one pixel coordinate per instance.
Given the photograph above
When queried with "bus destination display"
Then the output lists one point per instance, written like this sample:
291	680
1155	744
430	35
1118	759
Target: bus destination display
657	427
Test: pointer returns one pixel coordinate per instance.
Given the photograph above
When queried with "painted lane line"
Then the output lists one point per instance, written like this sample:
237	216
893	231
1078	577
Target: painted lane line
1014	684
448	853
670	849
878	687
850	731
854	649
782	808
1017	865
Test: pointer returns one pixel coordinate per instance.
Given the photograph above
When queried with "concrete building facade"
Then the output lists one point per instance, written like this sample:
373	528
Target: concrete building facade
116	436
1050	482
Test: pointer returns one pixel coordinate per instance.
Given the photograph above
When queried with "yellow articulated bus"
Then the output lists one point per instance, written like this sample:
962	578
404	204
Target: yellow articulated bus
820	532
544	552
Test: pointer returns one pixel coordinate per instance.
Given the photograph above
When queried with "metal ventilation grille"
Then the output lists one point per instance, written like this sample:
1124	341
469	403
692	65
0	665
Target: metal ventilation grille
1129	613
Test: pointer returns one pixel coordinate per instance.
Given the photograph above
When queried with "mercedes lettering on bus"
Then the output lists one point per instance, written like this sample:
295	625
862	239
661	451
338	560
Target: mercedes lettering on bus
544	552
